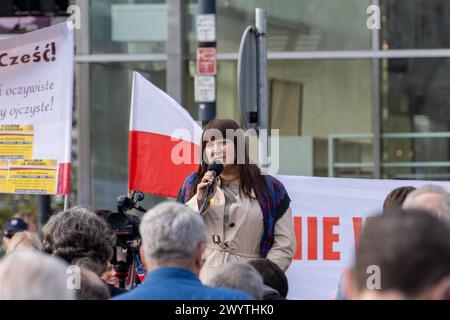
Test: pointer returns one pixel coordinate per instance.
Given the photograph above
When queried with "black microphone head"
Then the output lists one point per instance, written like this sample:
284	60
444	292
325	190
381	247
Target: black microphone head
124	203
216	167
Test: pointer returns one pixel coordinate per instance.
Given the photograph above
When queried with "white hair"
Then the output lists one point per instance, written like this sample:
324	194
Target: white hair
239	276
31	275
442	208
171	232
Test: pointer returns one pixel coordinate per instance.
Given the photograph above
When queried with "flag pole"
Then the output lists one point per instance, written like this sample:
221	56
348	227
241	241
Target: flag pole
66	202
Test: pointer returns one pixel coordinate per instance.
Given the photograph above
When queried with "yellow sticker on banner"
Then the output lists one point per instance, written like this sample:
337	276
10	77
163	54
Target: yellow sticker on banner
16	141
32	176
3	175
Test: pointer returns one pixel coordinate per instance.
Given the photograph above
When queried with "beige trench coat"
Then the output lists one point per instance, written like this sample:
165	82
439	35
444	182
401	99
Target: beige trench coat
239	240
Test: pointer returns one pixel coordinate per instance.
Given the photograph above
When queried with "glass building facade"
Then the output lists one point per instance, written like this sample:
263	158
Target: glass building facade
349	101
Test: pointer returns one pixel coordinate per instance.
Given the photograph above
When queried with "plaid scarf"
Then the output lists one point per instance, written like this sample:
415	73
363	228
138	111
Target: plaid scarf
273	200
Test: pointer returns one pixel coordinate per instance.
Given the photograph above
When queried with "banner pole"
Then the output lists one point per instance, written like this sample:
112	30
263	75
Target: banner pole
66	202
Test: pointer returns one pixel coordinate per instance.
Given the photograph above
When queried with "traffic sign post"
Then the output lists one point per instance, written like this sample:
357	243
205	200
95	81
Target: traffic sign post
252	81
205	80
247	78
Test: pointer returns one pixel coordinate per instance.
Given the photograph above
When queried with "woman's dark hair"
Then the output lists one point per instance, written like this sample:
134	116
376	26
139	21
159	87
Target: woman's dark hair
396	197
272	275
410	247
79	233
249	174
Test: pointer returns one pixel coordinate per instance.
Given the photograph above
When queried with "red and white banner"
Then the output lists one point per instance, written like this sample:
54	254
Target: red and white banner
36	94
163	141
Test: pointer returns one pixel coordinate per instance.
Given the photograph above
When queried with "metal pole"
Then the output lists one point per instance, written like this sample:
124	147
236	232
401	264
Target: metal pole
82	78
44	209
66	202
376	103
263	112
176	64
207	109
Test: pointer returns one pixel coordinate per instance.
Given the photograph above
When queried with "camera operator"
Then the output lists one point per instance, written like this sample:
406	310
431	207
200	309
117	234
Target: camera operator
126	267
118	271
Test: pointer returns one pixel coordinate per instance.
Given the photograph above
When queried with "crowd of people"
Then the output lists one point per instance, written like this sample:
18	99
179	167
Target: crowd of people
229	236
409	242
73	261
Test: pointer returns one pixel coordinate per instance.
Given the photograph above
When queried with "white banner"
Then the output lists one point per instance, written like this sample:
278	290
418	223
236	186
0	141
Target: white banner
327	214
36	93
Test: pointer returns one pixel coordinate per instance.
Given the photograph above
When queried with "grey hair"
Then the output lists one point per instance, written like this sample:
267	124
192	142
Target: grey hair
32	275
444	206
79	233
171	232
239	276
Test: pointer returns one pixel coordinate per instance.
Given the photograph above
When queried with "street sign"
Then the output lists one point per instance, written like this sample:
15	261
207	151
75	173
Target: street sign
206	28
206	61
205	88
247	78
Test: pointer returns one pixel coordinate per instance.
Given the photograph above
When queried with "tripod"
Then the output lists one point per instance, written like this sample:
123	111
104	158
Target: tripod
129	268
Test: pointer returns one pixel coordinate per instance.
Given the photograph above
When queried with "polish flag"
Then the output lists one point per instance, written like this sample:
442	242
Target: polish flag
163	141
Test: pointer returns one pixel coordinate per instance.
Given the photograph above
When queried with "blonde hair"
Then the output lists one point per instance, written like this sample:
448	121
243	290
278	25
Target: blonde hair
24	239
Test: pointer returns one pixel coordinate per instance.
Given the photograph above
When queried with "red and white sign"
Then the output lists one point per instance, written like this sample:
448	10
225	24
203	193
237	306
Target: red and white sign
206	61
36	92
328	216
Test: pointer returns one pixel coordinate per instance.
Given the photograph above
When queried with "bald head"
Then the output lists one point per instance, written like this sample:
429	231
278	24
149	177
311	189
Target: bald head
431	198
431	202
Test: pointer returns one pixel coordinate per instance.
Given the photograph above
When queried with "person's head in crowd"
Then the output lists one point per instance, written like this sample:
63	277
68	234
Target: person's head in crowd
172	246
401	255
396	197
11	227
431	198
79	233
30	219
272	275
32	275
24	239
91	287
172	236
109	276
240	276
87	263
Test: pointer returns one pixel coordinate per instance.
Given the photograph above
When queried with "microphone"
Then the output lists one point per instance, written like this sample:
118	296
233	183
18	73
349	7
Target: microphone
216	168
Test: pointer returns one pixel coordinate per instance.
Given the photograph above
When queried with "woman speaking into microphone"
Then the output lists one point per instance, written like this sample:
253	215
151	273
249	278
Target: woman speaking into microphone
247	214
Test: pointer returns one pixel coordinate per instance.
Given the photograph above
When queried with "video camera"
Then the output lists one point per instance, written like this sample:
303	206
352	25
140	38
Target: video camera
125	225
126	228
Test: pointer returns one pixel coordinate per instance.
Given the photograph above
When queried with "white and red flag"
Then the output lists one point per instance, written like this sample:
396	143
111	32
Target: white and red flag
163	141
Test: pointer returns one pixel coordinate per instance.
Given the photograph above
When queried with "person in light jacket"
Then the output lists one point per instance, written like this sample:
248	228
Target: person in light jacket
248	214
